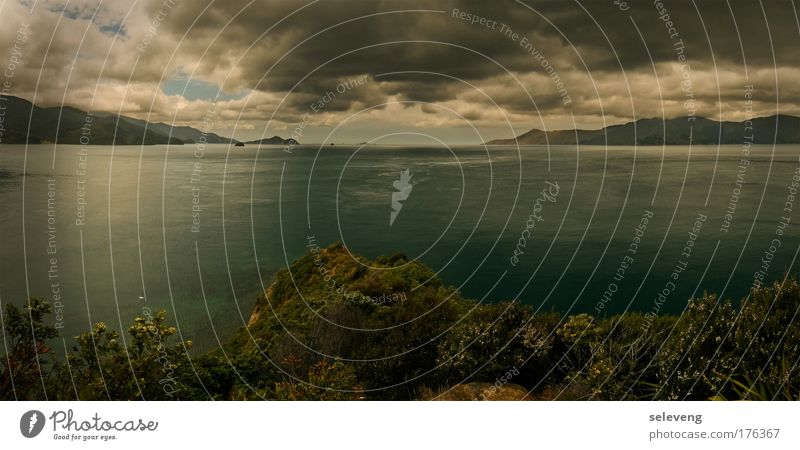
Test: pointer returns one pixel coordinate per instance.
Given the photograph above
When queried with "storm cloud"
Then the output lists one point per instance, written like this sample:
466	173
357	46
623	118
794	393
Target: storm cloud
444	64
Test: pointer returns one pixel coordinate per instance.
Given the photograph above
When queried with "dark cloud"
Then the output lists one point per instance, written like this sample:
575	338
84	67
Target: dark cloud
606	60
320	41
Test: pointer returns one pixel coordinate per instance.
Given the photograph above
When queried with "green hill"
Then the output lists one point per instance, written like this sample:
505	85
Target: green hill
334	326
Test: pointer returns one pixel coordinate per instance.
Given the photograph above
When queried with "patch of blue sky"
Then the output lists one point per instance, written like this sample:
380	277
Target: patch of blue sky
93	11
192	89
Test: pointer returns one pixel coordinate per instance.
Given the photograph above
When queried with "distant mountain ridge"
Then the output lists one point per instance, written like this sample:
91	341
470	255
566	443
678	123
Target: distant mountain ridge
779	129
26	122
186	134
274	140
23	122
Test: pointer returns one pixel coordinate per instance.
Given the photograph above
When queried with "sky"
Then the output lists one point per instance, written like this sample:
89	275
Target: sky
422	71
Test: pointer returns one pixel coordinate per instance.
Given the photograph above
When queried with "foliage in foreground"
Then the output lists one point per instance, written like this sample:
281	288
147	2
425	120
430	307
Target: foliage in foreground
389	329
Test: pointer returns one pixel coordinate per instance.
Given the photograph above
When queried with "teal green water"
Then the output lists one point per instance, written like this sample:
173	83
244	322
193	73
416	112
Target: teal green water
464	217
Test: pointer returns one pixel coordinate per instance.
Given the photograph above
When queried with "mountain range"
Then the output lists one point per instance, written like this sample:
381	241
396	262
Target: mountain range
778	129
21	121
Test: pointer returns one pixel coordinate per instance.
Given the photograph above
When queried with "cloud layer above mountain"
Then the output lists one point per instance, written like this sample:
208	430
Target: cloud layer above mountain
375	67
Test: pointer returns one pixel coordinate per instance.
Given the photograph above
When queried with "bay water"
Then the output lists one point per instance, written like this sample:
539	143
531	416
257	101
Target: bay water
108	232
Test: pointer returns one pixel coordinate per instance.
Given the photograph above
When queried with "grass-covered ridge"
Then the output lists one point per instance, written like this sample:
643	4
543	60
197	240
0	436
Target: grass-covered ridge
338	326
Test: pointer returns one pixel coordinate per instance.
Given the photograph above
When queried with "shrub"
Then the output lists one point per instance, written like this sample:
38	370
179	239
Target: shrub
718	351
25	369
493	339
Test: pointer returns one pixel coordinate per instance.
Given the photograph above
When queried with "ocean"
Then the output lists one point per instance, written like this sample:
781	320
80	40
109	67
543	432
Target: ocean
105	232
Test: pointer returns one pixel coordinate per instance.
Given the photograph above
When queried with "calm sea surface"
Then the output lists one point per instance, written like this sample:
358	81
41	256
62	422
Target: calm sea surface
110	231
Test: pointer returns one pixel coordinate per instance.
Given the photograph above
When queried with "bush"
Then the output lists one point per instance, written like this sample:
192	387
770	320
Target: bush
717	349
25	369
104	369
494	339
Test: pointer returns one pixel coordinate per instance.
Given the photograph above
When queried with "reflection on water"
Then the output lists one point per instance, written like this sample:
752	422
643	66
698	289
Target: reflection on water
196	234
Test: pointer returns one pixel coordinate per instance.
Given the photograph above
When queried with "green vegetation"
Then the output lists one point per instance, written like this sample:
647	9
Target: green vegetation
335	328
